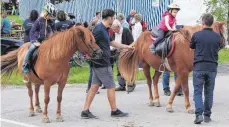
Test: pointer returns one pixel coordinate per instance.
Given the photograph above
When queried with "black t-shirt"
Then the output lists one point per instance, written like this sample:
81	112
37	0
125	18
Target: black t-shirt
206	44
103	40
63	25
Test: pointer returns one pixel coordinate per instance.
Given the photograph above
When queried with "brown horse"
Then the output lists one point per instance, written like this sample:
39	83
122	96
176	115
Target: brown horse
181	61
52	65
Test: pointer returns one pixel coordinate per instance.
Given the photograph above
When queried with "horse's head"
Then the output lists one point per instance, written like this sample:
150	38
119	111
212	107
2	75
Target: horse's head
87	43
219	28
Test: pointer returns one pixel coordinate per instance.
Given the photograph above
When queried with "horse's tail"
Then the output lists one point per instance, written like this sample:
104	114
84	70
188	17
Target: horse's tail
9	63
128	63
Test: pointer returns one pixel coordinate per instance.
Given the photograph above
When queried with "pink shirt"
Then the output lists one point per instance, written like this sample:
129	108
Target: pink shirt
172	21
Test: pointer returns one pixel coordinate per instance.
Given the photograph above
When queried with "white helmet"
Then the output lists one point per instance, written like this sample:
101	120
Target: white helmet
50	9
174	6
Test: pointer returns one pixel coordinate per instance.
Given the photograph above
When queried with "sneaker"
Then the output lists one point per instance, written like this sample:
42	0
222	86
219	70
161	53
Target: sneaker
86	114
198	119
103	87
180	93
207	119
120	88
167	92
118	113
131	88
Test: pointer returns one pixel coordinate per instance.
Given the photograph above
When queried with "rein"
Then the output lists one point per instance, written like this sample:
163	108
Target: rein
184	36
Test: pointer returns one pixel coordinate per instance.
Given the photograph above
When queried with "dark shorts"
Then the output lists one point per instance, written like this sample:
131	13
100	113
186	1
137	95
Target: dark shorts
103	75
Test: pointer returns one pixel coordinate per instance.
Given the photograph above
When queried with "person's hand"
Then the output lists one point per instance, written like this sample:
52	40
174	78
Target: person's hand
37	43
173	30
130	47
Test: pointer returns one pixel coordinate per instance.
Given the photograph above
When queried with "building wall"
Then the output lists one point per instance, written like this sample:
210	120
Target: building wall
84	10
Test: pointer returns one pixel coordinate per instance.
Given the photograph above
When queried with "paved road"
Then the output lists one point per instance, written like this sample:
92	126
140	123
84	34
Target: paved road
15	107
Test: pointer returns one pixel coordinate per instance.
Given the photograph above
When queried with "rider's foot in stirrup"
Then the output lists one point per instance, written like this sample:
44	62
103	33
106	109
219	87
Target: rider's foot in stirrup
152	49
25	68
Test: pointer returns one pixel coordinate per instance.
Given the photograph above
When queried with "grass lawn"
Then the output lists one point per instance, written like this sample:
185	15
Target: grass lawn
80	75
16	18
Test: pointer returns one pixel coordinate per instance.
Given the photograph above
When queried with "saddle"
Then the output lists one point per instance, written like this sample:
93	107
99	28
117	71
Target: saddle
32	60
164	47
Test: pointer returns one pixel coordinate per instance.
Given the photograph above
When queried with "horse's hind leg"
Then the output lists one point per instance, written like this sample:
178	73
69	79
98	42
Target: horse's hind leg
37	103
146	70
61	86
156	77
30	93
172	97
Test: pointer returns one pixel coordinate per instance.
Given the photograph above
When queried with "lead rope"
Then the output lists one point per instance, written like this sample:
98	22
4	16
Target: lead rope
46	21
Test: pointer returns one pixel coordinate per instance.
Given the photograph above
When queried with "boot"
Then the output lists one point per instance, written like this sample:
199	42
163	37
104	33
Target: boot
152	48
26	66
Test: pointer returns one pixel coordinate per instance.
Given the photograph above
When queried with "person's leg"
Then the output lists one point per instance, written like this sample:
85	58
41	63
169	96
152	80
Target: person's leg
161	34
208	95
165	83
91	94
121	81
90	80
26	66
106	77
198	81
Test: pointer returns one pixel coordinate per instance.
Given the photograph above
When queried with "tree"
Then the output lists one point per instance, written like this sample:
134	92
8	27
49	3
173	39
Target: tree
219	9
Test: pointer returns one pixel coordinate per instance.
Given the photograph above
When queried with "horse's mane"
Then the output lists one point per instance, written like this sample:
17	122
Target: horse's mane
59	44
188	31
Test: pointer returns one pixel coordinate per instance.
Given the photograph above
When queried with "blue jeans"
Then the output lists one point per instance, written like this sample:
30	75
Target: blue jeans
206	80
165	79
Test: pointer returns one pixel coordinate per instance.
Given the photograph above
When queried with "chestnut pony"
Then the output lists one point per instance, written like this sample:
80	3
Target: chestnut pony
181	61
52	65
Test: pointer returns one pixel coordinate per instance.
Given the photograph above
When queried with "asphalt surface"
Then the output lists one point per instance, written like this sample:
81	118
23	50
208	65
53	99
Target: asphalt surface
15	104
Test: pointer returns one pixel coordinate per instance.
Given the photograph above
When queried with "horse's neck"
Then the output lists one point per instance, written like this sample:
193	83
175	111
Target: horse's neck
57	51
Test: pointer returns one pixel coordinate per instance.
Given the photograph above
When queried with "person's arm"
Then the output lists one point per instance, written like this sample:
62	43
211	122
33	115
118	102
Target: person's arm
97	35
121	46
193	42
32	34
130	38
167	23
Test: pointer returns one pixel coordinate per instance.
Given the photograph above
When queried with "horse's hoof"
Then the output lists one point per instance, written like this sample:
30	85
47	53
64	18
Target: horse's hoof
157	104
45	120
169	110
190	111
151	104
31	114
38	110
59	119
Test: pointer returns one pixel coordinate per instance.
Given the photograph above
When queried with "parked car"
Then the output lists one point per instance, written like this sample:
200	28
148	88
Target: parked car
8	45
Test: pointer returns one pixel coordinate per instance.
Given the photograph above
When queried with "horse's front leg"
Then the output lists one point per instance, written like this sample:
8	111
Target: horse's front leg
30	93
61	86
47	86
156	77
37	102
